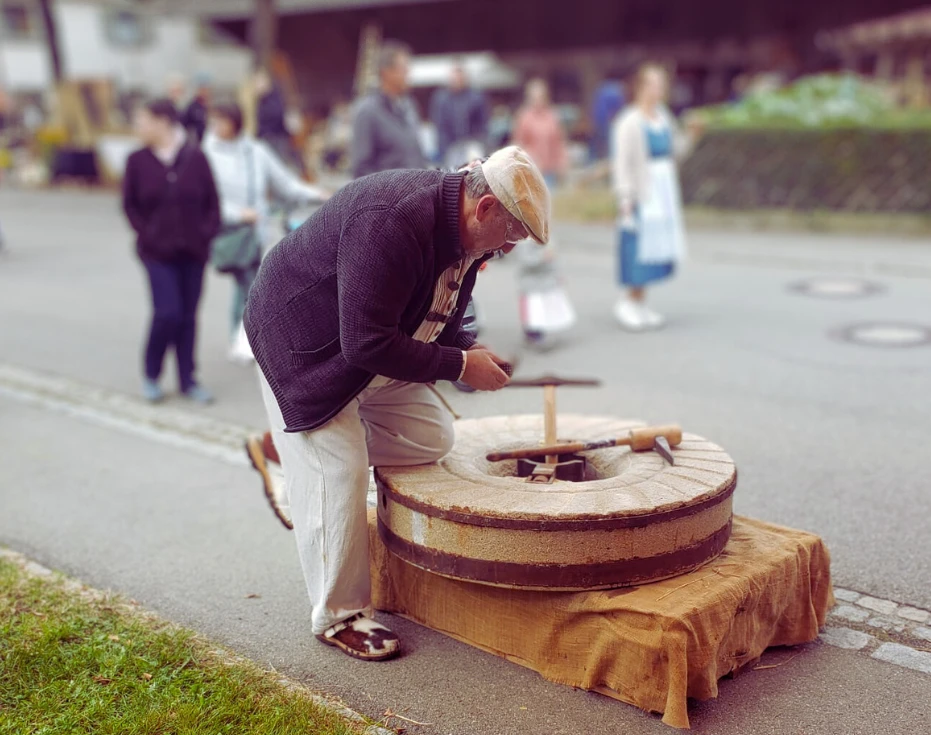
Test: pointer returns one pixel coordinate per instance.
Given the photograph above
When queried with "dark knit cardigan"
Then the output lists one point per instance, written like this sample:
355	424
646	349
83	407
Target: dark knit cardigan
174	210
336	302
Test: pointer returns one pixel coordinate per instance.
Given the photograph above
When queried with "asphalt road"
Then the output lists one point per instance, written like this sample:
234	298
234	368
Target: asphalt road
828	436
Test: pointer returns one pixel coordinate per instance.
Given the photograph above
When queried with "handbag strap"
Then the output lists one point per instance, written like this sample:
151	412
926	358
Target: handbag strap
250	174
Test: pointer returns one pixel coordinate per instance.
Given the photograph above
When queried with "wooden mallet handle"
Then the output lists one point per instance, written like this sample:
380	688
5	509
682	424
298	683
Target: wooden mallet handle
639	440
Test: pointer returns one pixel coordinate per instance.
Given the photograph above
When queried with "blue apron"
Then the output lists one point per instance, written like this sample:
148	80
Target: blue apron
632	271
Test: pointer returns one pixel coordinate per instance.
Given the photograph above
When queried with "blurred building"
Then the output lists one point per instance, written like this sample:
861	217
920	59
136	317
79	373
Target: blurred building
575	44
893	48
136	45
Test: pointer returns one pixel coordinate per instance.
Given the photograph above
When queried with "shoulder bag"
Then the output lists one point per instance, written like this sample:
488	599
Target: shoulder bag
237	247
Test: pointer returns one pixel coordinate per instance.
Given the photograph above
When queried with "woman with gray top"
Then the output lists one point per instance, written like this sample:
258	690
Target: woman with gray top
246	171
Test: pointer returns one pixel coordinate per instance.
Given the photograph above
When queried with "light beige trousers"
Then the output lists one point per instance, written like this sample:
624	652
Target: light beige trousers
326	473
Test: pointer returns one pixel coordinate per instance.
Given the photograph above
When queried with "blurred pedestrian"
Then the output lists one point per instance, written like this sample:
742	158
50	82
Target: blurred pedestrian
545	309
499	127
460	115
176	89
271	125
5	109
386	127
171	202
194	118
338	135
246	171
538	130
645	140
609	101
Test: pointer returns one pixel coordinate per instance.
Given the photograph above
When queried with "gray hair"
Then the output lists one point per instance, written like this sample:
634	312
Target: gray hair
476	186
475	183
390	52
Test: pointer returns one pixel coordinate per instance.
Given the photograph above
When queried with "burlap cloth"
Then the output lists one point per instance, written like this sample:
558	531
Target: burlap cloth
652	646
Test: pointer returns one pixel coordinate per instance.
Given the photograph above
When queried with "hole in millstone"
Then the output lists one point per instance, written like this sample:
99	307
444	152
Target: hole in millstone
601	464
570	467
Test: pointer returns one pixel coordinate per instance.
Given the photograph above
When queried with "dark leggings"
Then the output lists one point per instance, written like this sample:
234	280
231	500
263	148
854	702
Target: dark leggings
176	288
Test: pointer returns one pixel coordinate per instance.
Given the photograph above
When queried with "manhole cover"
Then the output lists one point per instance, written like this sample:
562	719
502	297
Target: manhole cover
836	288
888	334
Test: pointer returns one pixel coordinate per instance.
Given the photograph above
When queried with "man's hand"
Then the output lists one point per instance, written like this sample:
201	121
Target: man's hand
249	216
483	370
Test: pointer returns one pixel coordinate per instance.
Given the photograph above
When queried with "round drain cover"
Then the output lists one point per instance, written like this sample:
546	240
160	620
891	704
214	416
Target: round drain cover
886	334
836	287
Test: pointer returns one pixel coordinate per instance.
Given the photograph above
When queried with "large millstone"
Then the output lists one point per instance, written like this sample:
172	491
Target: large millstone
634	519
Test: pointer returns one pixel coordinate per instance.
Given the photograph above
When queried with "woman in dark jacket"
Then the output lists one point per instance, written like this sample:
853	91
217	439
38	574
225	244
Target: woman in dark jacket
170	199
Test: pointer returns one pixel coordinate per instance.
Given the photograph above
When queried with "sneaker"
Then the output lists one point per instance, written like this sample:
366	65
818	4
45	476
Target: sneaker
651	318
198	394
151	391
269	469
362	637
539	341
630	315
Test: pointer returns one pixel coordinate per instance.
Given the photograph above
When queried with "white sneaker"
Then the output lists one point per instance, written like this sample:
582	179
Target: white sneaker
652	319
630	315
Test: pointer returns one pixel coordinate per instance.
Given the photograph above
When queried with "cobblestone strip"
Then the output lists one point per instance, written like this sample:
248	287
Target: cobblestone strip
884	629
166	424
175	427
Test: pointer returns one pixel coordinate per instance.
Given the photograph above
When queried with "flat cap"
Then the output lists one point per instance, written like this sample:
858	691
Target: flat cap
518	184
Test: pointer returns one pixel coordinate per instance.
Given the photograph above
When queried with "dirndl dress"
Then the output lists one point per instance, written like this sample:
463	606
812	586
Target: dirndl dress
652	242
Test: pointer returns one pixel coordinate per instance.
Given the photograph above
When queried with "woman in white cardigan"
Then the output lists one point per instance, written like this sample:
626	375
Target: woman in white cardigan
645	143
246	171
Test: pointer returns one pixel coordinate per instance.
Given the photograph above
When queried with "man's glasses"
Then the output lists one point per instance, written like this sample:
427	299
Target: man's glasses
514	231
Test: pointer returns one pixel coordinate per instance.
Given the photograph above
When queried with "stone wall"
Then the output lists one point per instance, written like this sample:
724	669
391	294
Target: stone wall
834	170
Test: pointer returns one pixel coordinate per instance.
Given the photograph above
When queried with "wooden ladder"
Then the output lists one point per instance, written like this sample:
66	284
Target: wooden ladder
367	63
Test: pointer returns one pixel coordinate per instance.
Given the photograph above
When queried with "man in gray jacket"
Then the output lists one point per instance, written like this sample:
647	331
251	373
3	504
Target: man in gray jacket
385	130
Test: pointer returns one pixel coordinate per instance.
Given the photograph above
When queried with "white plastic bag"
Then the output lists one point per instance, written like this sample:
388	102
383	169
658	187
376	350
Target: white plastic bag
548	311
241	351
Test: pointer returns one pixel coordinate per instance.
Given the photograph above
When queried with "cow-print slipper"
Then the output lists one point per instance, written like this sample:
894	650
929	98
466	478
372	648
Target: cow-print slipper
362	637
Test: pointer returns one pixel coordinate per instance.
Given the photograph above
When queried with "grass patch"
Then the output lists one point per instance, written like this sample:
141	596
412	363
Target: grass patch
73	662
595	205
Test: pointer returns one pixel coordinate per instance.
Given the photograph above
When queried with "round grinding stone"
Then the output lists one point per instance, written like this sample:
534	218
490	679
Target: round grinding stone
634	519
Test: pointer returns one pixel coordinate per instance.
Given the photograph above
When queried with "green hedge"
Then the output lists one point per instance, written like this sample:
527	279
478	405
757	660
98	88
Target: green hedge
820	102
847	170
